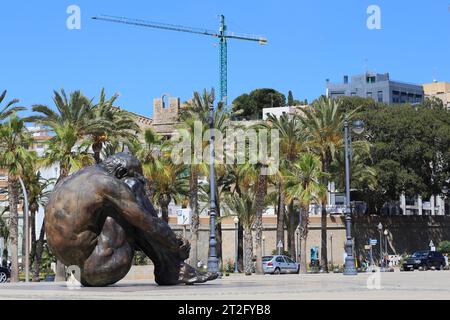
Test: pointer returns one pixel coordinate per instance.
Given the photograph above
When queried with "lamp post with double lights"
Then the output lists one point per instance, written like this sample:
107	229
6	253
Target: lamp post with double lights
357	127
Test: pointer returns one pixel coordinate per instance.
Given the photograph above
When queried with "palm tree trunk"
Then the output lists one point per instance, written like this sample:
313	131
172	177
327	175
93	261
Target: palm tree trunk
248	251
280	217
323	220
291	230
97	148
240	248
195	219
260	194
13	228
38	253
33	235
165	211
303	240
60	272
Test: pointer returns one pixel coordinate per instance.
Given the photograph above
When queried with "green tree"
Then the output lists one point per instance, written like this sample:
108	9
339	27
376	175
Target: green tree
198	109
251	105
9	108
14	156
292	143
291	101
411	150
303	183
38	192
70	125
109	123
244	206
324	122
168	180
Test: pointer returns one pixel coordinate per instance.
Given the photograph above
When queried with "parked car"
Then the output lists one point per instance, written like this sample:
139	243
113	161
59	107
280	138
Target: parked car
426	260
280	264
4	274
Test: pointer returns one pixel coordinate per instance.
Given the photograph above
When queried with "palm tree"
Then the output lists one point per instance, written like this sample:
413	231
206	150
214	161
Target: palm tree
188	128
109	123
168	180
244	207
324	122
70	124
9	108
303	184
292	143
198	110
38	193
360	172
14	156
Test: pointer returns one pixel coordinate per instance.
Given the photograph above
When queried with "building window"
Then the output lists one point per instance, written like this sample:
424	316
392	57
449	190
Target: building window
380	96
370	79
353	94
369	94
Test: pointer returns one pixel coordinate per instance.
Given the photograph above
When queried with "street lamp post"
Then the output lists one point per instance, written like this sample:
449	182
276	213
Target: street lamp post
264	244
445	192
358	128
236	242
331	248
386	232
380	229
213	261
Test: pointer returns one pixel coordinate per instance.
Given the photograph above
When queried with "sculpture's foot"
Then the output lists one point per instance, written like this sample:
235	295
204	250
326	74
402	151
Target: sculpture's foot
190	276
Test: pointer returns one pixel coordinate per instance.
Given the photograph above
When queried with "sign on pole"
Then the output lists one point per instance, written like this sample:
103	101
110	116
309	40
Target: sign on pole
279	246
431	245
373	242
367	246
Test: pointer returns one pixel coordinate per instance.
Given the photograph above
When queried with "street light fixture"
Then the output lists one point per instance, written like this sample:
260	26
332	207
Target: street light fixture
380	230
386	233
213	261
236	239
358	128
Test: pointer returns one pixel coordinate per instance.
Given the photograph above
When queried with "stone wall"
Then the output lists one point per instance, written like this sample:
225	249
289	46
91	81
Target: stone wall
406	234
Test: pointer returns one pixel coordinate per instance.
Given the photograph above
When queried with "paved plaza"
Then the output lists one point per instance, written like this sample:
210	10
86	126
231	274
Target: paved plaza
395	285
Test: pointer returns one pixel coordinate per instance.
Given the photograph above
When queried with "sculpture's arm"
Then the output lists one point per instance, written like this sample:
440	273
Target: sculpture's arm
126	204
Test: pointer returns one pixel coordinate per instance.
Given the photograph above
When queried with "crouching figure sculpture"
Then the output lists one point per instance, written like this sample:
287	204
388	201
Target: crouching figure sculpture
98	216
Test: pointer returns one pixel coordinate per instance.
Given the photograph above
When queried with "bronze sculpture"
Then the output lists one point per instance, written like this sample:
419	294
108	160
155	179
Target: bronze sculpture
96	217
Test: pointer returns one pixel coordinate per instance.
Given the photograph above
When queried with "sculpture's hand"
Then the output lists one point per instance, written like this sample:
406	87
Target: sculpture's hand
184	248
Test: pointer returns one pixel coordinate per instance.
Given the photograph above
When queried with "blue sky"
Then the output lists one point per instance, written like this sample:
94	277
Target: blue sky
309	41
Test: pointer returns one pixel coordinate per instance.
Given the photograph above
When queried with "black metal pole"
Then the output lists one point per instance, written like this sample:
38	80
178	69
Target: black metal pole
236	242
349	267
213	261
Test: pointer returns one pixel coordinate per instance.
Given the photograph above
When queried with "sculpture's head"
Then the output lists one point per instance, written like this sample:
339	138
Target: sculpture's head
123	165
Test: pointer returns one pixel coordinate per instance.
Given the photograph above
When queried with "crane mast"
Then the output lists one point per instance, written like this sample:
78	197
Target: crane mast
222	35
